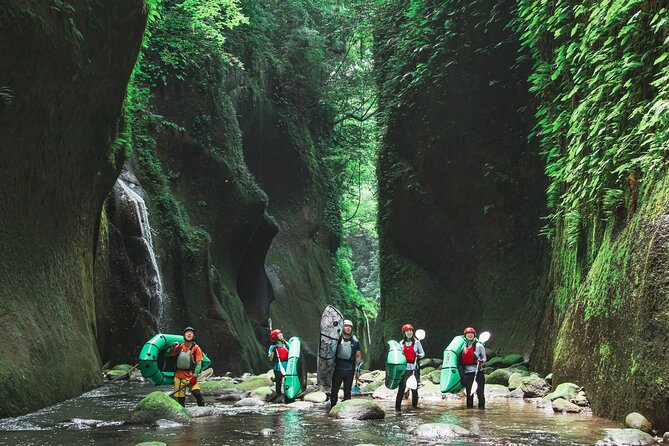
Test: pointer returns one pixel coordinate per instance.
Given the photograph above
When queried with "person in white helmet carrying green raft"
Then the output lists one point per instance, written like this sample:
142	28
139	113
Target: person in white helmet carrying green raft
348	356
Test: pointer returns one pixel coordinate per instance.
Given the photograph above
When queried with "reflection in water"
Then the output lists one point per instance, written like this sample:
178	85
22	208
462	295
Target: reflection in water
293	430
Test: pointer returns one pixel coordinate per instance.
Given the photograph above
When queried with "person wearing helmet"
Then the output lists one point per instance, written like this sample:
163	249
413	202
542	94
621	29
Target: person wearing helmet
413	351
278	354
189	364
472	357
348	356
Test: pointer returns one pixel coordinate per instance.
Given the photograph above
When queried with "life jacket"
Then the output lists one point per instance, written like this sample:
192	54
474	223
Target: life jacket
409	351
186	359
281	352
346	351
468	357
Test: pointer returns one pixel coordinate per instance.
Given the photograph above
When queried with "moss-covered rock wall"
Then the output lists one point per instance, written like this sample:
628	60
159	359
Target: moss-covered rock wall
65	70
460	187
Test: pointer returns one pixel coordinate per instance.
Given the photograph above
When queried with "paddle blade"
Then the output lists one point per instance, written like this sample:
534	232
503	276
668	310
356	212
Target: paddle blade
475	387
420	334
484	336
412	384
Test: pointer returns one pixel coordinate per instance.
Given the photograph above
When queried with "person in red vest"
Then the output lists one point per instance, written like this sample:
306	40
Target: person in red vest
472	357
278	354
413	351
189	364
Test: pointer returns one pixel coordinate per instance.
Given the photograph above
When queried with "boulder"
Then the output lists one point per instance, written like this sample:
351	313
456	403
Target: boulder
300	405
255	382
429	390
167	424
357	409
499	362
371	386
249	402
499	376
534	387
564	406
665	438
496	390
204	411
566	391
581	399
265	393
517	393
375	375
435	377
155	406
515	379
384	393
441	431
316	397
267	432
631	437
549	379
635	420
219	387
430	362
124	367
427	370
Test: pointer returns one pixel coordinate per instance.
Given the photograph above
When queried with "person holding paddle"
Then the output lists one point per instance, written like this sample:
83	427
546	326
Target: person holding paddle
413	352
473	356
278	354
189	364
348	356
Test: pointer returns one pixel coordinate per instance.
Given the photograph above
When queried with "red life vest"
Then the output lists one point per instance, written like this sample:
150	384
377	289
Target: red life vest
468	355
409	352
282	352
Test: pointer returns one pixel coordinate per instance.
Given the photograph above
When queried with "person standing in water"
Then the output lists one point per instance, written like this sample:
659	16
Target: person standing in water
473	356
413	352
278	354
189	364
348	356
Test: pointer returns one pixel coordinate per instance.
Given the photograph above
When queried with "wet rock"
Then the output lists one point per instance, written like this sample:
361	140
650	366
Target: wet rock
255	382
151	443
566	391
549	379
249	402
81	423
204	411
499	376
371	387
156	406
517	393
264	393
427	370
496	390
231	396
219	387
375	375
429	390
357	409
435	377
564	406
384	393
167	424
581	399
300	405
441	431
505	361
316	397
430	362
534	387
635	420
665	438
631	437
267	432
515	379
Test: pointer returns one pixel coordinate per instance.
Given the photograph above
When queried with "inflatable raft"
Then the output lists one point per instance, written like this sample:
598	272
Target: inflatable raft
295	381
157	367
450	375
332	325
396	364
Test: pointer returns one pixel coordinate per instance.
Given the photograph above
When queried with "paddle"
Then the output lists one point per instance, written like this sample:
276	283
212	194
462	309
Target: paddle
203	377
412	383
482	339
356	388
283	371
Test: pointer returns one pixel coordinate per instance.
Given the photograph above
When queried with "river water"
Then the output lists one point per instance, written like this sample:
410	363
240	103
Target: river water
504	422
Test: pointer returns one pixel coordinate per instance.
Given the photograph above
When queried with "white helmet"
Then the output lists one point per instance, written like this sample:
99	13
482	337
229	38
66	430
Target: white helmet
349	323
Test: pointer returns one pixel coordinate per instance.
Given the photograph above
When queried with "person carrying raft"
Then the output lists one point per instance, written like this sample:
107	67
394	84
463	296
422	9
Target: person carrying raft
189	364
348	356
278	354
413	352
472	357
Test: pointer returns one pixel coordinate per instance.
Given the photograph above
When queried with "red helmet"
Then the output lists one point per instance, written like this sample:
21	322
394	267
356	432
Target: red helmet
406	327
470	330
273	334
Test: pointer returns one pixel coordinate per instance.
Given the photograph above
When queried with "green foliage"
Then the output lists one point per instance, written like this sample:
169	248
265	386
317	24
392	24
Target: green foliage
602	79
351	300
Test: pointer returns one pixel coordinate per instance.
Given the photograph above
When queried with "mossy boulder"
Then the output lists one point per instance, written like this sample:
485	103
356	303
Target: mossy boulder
254	383
371	386
435	376
427	370
515	379
220	387
157	406
635	420
499	376
567	391
534	387
499	362
357	409
430	362
265	393
124	367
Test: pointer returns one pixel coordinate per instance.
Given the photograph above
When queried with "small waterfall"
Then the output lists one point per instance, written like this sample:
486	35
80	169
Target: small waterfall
153	279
